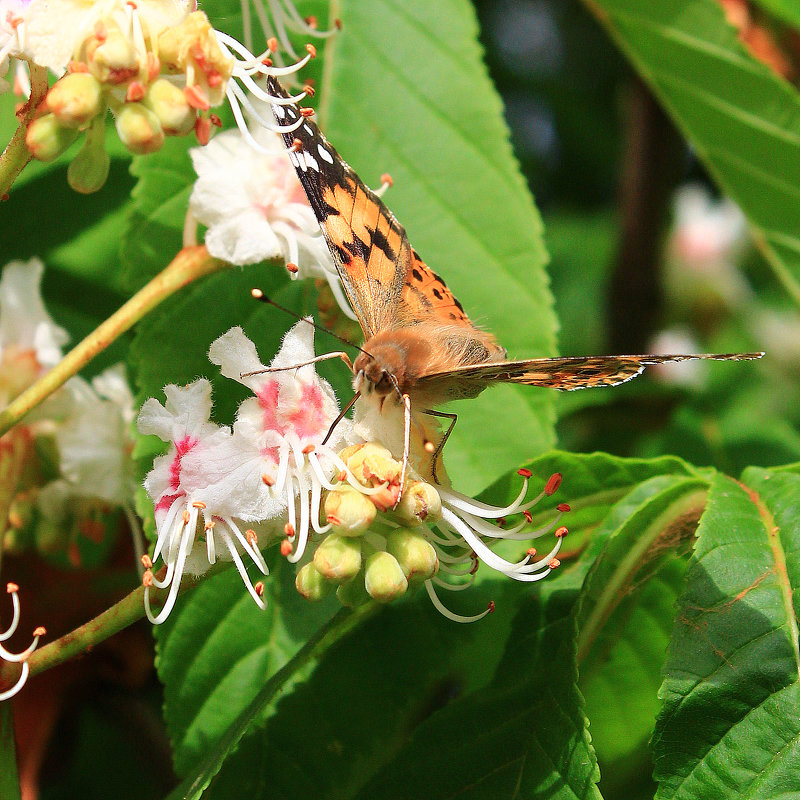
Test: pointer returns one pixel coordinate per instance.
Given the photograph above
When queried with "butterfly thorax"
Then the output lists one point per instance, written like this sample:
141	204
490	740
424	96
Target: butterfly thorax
405	356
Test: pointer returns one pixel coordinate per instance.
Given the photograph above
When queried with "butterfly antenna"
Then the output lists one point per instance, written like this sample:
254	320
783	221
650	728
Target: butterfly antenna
259	295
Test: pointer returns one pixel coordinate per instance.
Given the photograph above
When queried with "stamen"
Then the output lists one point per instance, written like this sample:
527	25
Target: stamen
561	532
147	562
564	507
292	267
312	51
442	609
553	482
198	504
267	480
286	547
259	588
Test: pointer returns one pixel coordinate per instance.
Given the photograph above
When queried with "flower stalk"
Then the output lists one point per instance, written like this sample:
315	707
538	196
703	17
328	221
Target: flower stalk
190	264
16	155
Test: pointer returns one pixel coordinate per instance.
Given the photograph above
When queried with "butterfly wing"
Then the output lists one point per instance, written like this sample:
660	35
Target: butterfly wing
387	283
564	373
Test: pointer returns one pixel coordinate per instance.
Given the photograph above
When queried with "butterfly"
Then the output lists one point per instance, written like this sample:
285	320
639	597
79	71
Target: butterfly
419	344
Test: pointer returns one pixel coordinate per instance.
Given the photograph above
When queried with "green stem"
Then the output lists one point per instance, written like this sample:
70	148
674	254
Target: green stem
16	155
339	625
191	263
9	777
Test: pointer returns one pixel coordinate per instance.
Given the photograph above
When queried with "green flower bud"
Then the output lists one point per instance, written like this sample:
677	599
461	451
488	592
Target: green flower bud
349	511
338	557
75	99
169	104
46	139
420	500
352	593
139	129
311	584
383	578
88	171
414	553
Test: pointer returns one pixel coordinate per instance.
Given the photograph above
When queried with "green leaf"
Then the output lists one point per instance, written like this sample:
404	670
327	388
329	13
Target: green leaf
786	10
425	110
730	723
742	119
9	779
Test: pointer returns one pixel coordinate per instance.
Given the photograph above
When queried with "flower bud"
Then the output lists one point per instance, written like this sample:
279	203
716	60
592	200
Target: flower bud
169	104
139	129
311	584
420	500
349	511
88	171
414	553
372	464
383	578
113	60
338	557
46	139
352	593
75	99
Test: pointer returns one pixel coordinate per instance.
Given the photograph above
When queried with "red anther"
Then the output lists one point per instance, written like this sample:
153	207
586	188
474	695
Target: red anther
186	517
77	66
147	578
153	66
267	480
286	547
564	507
11	588
215	120
334	520
501	521
553	563
429	447
309	90
198	504
293	268
312	51
526	473
196	97
40	630
491	606
531	551
15	22
297	145
311	21
528	516
288	529
202	130
251	536
210	525
135	92
147	562
561	532
131	4
342	476
338	23
267	62
387	179
272	44
306	112
259	588
309	448
553	482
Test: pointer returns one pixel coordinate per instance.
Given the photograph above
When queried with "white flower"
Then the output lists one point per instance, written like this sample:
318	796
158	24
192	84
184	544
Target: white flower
279	442
190	499
255	208
6	655
30	341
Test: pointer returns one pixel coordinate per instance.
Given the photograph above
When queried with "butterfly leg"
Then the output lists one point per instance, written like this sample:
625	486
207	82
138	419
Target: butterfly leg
341	416
437	452
338	354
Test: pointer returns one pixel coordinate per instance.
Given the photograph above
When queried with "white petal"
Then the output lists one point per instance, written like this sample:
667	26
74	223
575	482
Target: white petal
235	355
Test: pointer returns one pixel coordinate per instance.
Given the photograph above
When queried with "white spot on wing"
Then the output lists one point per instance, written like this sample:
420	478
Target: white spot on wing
324	154
279	112
293	158
308	130
312	162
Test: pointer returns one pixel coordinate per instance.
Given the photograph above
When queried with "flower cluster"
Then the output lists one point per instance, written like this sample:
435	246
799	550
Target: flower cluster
335	497
160	67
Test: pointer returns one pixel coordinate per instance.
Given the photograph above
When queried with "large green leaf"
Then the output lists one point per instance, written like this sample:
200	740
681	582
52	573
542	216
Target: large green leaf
786	10
742	119
730	725
423	109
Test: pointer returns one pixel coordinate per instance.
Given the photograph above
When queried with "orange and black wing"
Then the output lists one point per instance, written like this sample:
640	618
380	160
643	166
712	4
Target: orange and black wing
386	282
564	373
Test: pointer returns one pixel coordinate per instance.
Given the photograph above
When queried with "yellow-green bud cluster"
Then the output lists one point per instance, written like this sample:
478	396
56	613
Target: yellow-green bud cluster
144	87
378	546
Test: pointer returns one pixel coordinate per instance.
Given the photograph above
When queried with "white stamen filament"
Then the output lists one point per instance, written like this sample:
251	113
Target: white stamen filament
237	559
442	609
